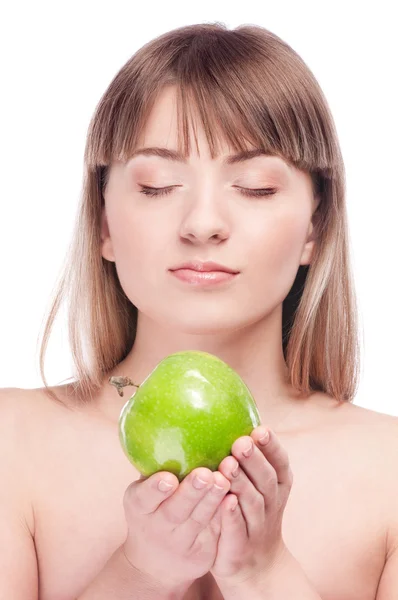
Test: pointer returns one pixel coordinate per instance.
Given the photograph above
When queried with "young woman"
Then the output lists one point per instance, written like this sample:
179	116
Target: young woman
212	151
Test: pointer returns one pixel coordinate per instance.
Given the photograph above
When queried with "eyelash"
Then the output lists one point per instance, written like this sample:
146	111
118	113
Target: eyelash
259	192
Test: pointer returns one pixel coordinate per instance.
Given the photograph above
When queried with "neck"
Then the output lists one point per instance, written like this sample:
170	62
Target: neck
255	352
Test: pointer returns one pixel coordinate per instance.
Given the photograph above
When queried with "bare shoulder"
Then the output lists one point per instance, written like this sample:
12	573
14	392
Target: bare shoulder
360	443
21	413
371	425
22	409
16	409
27	419
374	435
371	435
34	428
16	412
10	400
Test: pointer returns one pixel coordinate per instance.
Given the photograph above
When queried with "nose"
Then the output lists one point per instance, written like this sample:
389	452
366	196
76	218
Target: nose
204	222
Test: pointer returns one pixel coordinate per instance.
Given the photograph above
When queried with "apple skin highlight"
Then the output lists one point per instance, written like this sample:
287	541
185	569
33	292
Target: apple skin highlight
187	413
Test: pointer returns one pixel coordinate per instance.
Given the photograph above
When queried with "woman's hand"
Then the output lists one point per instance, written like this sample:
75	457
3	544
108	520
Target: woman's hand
250	536
171	537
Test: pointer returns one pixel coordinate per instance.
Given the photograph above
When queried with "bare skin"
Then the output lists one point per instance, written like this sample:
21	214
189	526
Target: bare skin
336	522
65	485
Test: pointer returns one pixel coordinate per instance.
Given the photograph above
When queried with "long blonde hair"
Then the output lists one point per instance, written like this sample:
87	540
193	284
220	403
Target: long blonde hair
246	84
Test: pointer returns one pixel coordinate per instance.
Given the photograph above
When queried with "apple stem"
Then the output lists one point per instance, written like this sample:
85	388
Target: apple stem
120	382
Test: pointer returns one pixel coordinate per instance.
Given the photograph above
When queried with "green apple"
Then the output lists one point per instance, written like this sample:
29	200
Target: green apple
186	414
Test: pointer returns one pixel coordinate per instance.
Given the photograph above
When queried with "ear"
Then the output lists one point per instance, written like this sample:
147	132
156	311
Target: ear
106	242
308	250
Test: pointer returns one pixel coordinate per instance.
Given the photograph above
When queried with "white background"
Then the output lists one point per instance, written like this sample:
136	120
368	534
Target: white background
56	61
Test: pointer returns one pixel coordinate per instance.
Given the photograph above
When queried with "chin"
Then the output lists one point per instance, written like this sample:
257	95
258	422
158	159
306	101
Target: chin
202	318
208	329
201	324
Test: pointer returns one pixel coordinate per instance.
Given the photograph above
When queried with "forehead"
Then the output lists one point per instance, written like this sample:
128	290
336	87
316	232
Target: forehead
158	142
160	131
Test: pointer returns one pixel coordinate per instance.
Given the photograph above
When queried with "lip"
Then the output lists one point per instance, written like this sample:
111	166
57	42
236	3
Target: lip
203	278
204	267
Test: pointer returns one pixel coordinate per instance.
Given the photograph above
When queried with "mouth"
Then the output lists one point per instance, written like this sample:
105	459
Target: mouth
203	278
204	267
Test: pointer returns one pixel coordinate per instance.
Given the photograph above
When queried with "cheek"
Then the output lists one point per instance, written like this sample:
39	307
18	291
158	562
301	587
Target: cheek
138	244
136	234
276	249
279	237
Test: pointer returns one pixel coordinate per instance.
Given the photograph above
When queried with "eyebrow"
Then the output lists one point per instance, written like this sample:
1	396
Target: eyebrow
175	156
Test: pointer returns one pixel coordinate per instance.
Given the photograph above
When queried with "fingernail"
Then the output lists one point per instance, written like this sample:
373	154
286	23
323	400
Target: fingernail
235	472
164	486
264	438
217	488
247	452
198	483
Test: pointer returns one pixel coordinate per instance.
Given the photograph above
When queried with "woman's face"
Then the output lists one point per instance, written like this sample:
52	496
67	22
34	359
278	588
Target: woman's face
205	216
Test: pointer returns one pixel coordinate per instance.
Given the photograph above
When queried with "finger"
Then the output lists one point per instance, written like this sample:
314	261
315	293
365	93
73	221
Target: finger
233	535
215	523
275	454
191	490
258	470
145	495
233	525
203	512
251	500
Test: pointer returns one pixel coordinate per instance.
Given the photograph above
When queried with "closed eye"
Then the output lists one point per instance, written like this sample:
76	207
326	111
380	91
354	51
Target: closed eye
258	191
152	191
